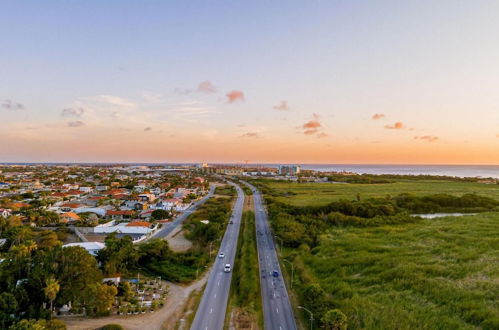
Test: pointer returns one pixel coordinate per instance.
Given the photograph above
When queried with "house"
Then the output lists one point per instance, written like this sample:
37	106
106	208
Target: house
69	217
5	213
115	279
137	229
92	247
147	197
120	214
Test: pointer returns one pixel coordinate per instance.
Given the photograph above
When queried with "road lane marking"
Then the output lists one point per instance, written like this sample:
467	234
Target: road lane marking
211	310
277	309
215	295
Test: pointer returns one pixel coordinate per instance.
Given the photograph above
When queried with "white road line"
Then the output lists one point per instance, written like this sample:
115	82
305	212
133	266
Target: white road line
211	310
277	309
215	295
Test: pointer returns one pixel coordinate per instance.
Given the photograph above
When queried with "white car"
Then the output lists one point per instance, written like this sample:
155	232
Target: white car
221	255
227	268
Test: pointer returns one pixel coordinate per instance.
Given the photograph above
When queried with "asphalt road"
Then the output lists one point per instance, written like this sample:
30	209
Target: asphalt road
169	227
211	311
277	311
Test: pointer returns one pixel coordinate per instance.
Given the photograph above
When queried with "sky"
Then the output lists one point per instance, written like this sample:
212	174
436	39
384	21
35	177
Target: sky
284	81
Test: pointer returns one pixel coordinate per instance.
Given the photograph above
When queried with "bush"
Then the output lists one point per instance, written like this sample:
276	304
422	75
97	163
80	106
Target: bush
112	327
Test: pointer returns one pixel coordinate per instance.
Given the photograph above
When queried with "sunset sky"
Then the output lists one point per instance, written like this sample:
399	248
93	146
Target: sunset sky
406	82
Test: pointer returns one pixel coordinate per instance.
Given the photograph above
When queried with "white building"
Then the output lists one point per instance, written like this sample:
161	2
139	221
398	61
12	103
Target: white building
91	247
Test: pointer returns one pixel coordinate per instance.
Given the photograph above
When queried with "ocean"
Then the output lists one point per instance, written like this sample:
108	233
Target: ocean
482	171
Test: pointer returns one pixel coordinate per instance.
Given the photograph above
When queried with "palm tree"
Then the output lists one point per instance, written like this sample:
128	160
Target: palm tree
51	290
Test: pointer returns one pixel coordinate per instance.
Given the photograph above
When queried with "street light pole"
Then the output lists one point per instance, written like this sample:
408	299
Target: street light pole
292	271
311	316
280	239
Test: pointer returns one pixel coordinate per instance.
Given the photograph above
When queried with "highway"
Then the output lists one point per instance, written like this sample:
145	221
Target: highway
212	308
277	311
169	227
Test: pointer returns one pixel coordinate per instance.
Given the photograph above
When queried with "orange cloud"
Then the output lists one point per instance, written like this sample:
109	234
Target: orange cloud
429	138
397	125
378	116
282	106
313	126
250	135
206	87
235	96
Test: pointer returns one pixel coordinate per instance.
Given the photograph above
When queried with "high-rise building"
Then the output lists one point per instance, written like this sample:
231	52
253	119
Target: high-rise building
288	169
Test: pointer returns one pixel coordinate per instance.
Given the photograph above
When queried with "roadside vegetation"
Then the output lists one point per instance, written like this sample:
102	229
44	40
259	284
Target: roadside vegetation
245	305
204	228
225	190
368	260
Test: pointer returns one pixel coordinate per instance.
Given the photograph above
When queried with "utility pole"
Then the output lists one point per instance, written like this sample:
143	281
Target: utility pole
311	316
292	271
280	239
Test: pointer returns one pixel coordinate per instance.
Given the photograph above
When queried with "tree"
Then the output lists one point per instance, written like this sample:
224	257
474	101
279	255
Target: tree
160	214
125	290
334	319
100	298
39	325
47	239
51	290
119	254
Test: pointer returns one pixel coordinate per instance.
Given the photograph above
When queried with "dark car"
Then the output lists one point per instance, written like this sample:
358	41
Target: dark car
231	222
275	273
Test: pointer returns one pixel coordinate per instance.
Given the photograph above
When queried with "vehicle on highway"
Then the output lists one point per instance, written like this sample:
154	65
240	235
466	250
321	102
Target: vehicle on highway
221	255
275	273
227	268
231	222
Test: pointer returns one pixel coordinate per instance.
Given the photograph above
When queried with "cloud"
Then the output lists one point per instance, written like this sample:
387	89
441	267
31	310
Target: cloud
397	125
72	112
77	123
8	104
147	129
313	126
234	96
111	100
203	87
206	87
250	135
283	106
428	138
378	116
322	135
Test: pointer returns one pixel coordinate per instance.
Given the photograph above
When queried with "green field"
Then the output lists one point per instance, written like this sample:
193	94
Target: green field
427	274
436	274
308	194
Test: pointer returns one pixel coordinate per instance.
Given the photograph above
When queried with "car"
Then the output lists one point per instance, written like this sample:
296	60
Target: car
231	222
227	268
221	255
275	273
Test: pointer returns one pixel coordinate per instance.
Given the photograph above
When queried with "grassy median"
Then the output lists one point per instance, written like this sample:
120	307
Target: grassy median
245	304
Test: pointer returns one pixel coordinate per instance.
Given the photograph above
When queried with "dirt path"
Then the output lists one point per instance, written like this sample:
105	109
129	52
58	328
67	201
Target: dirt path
177	241
175	302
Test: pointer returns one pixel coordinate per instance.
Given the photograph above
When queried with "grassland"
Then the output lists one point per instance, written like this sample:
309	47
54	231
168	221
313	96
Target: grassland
428	274
436	274
313	194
